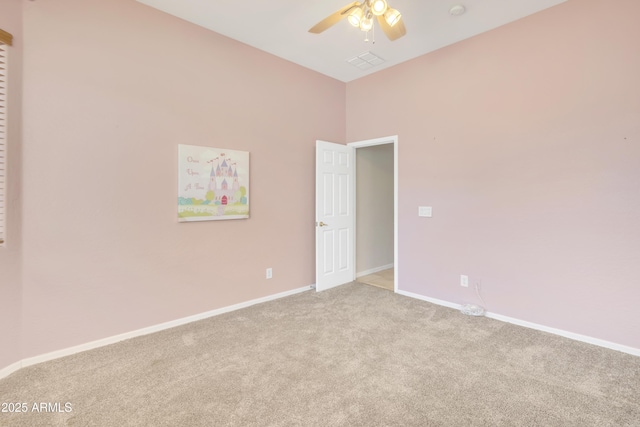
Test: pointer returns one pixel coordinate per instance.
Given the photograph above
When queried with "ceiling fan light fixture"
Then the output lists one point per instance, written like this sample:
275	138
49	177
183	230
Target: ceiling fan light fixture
355	17
363	15
366	24
392	16
378	7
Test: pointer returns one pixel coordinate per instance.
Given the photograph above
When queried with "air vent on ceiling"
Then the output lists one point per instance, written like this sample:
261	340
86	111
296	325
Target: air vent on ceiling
365	60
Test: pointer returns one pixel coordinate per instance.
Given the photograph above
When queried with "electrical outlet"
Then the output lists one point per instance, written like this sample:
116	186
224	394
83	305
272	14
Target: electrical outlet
464	280
269	273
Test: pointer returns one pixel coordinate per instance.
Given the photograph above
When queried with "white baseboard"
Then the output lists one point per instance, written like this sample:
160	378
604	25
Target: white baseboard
374	270
531	325
8	370
144	331
566	334
5	372
428	299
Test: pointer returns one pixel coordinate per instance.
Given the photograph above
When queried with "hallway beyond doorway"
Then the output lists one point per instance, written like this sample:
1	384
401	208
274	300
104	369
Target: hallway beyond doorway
381	279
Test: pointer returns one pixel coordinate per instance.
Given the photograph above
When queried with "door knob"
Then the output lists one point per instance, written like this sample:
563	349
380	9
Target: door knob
322	224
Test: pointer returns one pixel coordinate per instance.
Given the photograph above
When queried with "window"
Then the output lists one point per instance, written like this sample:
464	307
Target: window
5	41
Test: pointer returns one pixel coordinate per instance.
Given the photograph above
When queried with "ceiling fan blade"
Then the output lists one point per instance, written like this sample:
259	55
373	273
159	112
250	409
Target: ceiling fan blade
334	18
395	32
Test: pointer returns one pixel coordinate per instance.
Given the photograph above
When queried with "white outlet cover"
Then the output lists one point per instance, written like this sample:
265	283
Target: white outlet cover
464	280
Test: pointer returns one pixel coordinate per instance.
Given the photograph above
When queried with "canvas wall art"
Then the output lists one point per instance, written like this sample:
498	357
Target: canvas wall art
213	183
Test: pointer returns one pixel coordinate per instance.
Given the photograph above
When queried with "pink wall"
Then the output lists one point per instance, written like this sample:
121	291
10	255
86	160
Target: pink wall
111	89
10	254
526	142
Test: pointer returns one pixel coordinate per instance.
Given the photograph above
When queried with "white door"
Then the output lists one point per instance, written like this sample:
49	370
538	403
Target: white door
335	215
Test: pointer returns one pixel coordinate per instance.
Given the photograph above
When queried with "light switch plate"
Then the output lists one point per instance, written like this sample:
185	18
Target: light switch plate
425	211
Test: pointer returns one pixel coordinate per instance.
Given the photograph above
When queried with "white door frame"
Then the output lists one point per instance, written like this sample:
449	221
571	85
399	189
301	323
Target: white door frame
380	141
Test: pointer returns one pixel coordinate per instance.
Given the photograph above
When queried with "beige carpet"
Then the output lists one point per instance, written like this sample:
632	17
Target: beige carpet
352	356
382	279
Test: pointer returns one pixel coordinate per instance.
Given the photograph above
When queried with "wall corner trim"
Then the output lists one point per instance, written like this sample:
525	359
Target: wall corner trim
566	334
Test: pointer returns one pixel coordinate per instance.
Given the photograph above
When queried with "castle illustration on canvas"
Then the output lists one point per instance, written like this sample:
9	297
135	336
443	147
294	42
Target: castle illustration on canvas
212	183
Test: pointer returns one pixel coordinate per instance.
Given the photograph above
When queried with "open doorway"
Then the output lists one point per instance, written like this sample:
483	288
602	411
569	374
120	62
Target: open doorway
376	212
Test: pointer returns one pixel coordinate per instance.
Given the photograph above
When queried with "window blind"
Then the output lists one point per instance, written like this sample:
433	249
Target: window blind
4	41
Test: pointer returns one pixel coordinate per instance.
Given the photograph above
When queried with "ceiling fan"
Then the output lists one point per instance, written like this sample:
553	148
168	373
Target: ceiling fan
361	15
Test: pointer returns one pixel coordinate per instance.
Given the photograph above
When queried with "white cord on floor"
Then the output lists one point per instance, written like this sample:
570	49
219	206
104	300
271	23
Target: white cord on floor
473	309
478	292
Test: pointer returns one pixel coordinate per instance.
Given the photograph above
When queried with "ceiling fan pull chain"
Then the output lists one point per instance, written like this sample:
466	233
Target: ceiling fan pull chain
373	33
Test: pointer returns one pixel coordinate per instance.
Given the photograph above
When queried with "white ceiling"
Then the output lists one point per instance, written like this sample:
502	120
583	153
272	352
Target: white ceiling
280	27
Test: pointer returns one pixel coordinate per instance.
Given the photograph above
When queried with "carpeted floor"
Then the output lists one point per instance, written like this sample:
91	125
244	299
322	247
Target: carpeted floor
354	355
